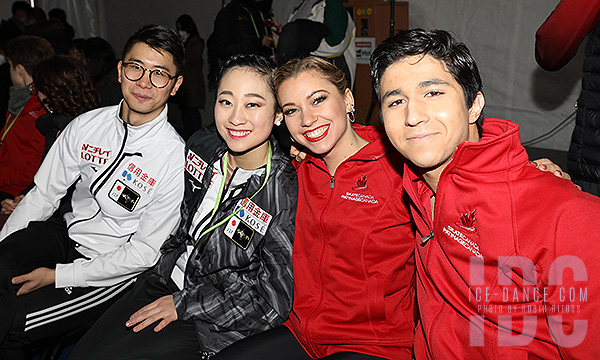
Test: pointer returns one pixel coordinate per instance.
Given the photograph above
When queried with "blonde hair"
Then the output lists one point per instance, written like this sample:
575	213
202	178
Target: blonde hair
325	69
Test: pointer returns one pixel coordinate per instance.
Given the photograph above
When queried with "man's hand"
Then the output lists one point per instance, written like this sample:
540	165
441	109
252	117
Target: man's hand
162	309
8	205
36	279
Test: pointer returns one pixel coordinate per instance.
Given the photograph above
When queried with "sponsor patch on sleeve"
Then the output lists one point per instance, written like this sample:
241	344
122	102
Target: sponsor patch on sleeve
124	195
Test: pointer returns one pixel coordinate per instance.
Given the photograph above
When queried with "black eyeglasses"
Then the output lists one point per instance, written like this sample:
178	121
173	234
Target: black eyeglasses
158	77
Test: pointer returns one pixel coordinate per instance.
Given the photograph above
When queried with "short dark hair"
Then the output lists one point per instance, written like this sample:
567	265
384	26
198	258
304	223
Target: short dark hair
59	14
20	6
259	64
28	51
440	45
160	38
36	13
67	84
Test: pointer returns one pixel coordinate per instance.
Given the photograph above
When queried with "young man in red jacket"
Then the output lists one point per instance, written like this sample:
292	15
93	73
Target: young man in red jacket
502	268
21	143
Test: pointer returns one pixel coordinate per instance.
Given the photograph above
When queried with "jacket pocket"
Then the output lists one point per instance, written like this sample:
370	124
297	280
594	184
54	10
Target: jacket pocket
377	298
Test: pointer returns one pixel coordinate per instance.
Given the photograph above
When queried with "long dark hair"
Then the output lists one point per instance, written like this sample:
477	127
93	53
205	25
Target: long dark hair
187	23
67	84
99	56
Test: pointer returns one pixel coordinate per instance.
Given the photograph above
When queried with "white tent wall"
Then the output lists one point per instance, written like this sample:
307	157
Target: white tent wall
500	34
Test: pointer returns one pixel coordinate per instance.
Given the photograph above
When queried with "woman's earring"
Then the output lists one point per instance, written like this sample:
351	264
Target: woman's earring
278	123
351	115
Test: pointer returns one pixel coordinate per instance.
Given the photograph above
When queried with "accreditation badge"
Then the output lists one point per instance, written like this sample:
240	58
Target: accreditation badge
124	195
239	232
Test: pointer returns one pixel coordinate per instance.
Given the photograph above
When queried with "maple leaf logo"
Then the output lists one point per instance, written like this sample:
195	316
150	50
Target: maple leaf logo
468	220
361	182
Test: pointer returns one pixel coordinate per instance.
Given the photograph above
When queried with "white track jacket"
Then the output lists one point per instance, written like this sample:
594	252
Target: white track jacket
126	200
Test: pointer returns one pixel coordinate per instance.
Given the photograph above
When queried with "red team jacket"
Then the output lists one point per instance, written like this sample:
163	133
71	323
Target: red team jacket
22	149
509	272
353	255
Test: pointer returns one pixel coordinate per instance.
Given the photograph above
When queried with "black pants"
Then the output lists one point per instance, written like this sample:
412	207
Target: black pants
109	338
47	311
276	344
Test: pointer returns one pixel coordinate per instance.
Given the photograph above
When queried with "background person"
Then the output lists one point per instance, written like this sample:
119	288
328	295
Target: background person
21	143
556	42
321	28
239	28
191	96
65	89
15	25
100	59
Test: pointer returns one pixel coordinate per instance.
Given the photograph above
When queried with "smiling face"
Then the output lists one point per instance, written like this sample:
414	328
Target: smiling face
315	113
245	112
424	113
143	102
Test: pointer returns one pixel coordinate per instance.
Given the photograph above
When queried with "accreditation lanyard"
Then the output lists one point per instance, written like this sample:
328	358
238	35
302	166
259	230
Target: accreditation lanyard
11	124
222	188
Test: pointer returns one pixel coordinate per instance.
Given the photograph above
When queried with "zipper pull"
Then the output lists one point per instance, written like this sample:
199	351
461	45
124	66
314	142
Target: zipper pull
425	239
331	182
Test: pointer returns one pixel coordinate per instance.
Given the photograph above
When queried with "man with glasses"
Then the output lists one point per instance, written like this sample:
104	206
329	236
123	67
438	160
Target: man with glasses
126	162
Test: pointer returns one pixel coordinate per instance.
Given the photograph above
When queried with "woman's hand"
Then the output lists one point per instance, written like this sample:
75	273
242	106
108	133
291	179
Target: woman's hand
548	166
162	309
296	152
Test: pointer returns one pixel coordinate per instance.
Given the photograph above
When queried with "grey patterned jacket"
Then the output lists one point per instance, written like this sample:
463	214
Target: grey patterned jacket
231	292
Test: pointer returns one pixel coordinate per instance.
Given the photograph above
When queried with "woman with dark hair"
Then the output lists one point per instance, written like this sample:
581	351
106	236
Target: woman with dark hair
101	62
192	93
76	49
66	90
227	272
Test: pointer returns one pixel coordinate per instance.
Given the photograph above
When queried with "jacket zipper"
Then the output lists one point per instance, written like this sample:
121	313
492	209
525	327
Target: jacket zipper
112	166
81	220
318	305
109	174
